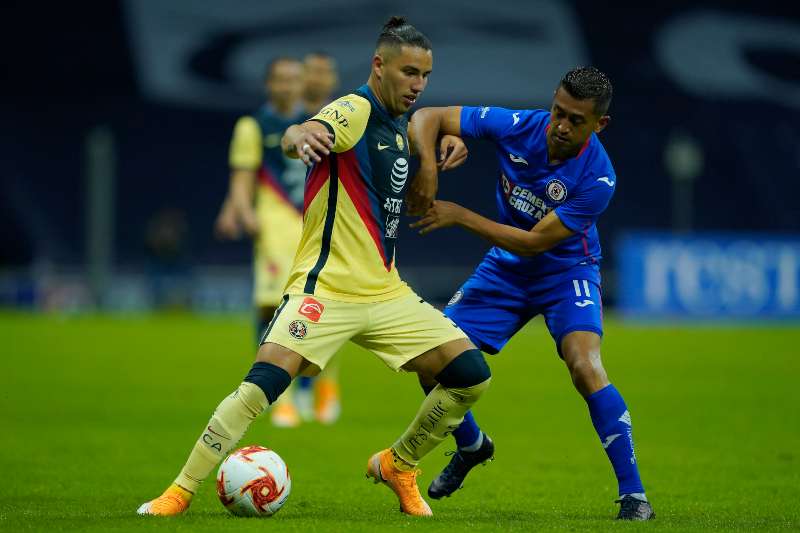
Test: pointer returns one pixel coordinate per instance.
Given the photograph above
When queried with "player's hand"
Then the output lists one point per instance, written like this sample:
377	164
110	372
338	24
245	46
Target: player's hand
452	152
440	215
422	191
249	221
227	226
310	146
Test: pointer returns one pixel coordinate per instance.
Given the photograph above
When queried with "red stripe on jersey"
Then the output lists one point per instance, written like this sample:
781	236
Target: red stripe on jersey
583	148
350	176
315	180
586	243
268	180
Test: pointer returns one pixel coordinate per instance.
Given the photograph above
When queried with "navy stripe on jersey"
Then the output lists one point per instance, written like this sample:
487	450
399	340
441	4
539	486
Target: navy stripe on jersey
327	232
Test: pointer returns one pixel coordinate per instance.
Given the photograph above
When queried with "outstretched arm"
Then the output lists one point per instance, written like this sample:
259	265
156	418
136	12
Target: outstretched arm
548	232
308	141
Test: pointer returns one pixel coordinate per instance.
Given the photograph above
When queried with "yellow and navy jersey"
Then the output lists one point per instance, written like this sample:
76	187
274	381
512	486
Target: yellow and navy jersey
256	146
352	206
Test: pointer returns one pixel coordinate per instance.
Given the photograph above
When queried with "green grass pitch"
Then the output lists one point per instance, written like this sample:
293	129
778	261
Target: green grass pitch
99	413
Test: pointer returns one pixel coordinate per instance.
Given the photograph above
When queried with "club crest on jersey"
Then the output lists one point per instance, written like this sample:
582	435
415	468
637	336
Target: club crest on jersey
298	329
456	297
400	142
311	309
556	190
399	174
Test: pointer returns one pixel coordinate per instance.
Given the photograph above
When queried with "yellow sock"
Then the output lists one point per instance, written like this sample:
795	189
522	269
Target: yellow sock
227	425
441	413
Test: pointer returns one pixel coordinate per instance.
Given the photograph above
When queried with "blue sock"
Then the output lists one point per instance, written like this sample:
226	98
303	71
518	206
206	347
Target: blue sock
304	382
468	432
612	421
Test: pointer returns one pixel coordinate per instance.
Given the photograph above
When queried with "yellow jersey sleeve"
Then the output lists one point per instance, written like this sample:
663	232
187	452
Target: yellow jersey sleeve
347	119
247	145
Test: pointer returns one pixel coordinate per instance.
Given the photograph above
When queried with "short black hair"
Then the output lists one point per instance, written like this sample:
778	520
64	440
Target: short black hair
280	59
398	32
586	83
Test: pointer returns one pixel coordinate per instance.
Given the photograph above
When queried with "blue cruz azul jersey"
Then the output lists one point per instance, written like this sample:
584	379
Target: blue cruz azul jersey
528	187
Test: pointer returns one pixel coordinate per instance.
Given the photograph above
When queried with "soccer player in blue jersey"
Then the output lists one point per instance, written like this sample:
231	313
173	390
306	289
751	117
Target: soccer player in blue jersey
555	180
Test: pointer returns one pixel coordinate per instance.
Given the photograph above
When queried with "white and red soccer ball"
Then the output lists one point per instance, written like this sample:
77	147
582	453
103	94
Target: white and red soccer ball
253	481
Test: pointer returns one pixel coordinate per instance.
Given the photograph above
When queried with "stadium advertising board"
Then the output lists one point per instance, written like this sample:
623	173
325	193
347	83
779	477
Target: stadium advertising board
709	276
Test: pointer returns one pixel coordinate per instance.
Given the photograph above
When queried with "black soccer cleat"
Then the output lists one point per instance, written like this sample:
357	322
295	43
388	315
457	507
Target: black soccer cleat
452	477
631	508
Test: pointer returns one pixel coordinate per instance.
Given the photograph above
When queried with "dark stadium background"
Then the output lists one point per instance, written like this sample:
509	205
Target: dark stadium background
72	71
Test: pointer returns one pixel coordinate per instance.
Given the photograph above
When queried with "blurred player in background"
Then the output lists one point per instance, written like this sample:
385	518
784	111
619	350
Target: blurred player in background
344	284
555	181
265	200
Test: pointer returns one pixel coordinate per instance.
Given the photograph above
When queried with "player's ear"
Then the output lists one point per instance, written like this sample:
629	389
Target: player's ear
602	123
377	66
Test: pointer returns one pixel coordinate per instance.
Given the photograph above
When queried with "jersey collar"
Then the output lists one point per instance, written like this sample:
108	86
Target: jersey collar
580	153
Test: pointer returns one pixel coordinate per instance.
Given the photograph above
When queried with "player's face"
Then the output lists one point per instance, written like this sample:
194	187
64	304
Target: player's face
320	78
285	83
403	77
572	121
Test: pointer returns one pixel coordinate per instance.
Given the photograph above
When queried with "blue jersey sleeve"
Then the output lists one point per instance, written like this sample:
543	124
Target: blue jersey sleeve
487	122
584	208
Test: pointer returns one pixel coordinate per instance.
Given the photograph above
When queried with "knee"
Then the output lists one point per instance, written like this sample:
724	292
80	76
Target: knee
468	369
585	369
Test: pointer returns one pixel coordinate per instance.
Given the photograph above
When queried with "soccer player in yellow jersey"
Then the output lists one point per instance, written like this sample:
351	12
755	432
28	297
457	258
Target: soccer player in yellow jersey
265	200
344	284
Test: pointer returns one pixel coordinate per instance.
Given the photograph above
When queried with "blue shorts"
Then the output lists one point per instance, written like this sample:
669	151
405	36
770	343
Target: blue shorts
493	304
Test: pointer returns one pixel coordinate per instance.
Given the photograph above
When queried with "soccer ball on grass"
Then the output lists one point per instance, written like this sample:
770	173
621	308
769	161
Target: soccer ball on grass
253	481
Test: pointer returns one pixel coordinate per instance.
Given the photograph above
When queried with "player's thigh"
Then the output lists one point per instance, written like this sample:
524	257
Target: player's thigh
404	328
314	327
573	305
490	312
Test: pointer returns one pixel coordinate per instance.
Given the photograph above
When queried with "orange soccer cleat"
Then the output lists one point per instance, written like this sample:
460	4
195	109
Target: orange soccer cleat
404	483
174	501
327	407
284	415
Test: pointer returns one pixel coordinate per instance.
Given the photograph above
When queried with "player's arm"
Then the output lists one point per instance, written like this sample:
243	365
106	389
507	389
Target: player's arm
245	157
547	233
426	128
336	128
308	141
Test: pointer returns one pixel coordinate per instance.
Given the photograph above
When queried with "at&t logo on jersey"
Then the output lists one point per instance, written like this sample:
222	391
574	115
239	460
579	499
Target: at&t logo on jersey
399	174
556	190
